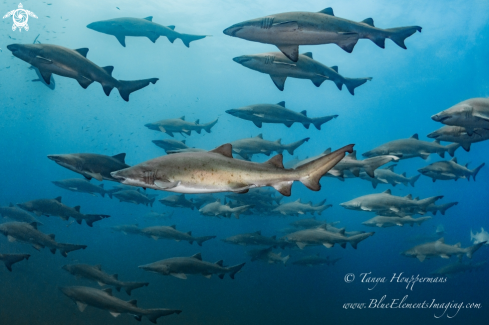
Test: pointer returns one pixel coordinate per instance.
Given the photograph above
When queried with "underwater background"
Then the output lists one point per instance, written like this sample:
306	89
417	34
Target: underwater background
445	64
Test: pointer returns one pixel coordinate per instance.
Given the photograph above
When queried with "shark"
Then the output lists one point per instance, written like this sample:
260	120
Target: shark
95	273
248	147
412	147
458	267
127	229
200	199
470	114
298	208
389	221
179	267
81	185
132	196
54	59
252	239
170	232
321	236
216	209
354	166
460	136
479	237
179	125
28	233
440	249
388	176
307	223
17	214
140	27
279	67
177	201
91	165
268	256
103	299
290	29
10	259
170	144
278	114
449	170
433	208
216	171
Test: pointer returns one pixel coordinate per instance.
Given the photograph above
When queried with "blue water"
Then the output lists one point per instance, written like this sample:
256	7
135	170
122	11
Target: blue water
445	64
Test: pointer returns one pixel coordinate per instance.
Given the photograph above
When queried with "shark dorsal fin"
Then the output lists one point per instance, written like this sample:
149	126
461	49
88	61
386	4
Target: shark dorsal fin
276	161
335	68
416	198
458	245
183	141
109	69
150	18
182	118
415	136
327	11
441	240
82	51
173	226
279	141
436	141
454	159
368	21
58	199
282	103
225	150
120	157
304	112
52	236
133	302
98	267
259	136
172	27
327	151
197	256
388	191
342	231
108	291
77	208
404	174
189	233
220	262
391	167
308	54
409	196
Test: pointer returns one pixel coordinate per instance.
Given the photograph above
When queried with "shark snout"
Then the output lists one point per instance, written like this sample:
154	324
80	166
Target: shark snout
433	135
241	59
117	176
53	157
233	112
440	118
231	31
13	47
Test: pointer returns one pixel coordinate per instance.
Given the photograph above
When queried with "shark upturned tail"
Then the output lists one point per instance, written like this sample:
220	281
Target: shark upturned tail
469	251
475	171
129	286
318	121
352	83
413	179
126	87
294	145
399	34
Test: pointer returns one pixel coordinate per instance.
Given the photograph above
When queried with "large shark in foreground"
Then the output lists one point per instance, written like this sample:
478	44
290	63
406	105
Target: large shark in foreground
279	67
217	171
440	249
412	147
179	267
74	64
289	30
277	113
140	27
103	299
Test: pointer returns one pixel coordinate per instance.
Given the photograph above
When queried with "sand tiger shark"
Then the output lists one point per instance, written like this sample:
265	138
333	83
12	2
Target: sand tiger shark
74	64
460	135
140	27
216	171
440	249
289	30
248	147
279	67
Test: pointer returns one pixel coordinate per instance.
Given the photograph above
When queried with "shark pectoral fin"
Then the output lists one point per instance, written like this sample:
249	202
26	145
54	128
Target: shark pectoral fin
421	258
208	276
290	51
301	245
154	237
121	39
279	81
81	306
444	256
162	129
100	283
449	175
258	123
46	75
394	209
166	185
97	176
285	188
328	245
259	115
84	82
179	275
424	155
114	313
11	239
153	37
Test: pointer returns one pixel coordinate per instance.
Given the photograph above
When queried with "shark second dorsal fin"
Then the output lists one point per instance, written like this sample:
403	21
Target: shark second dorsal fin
259	136
77	208
454	159
133	302
342	231
258	232
308	54
368	21
182	118
415	136
335	68
108	291
409	196
82	51
150	18
225	150
173	226
387	191
58	199
109	69
276	161
327	11
220	262
282	103
441	240
52	236
304	112
458	245
197	256
98	267
353	155
327	151
120	157
172	27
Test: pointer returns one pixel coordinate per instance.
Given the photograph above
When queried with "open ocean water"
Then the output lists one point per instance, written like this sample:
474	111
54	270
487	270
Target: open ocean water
444	64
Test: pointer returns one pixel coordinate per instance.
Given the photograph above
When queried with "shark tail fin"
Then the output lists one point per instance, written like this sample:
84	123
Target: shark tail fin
399	34
311	173
154	314
451	148
352	83
430	200
475	171
200	240
208	126
354	240
126	87
129	286
419	221
318	121
446	207
238	210
187	38
235	269
413	179
469	251
152	201
294	145
66	248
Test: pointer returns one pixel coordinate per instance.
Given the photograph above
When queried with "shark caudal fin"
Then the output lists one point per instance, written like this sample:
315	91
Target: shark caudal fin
318	121
451	148
352	83
91	218
311	173
154	314
399	34
413	179
354	240
419	221
238	210
475	171
207	126
126	87
129	286
187	38
292	146
202	239
235	269
64	249
446	207
469	251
